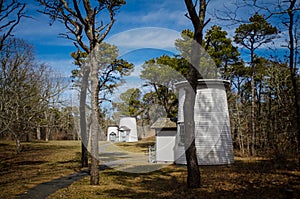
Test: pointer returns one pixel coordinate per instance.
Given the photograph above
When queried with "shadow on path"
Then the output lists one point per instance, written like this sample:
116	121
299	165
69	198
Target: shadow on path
45	189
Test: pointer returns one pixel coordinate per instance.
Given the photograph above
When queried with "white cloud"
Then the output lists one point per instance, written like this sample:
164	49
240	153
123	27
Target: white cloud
148	37
137	70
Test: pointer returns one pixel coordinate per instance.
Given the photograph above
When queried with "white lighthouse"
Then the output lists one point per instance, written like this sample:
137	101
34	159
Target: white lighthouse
212	125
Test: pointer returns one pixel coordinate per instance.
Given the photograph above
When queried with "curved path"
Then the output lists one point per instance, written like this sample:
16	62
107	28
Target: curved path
110	156
45	189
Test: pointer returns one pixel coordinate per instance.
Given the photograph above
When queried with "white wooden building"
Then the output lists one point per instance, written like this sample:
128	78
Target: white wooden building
212	125
113	133
126	131
165	135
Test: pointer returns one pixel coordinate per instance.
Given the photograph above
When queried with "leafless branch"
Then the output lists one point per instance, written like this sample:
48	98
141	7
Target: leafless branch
8	12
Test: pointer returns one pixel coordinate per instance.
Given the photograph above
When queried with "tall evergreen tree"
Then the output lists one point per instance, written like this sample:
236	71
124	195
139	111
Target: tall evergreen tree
252	36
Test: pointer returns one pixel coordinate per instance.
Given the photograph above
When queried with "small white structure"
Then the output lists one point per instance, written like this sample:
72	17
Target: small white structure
113	133
165	136
125	132
212	126
128	129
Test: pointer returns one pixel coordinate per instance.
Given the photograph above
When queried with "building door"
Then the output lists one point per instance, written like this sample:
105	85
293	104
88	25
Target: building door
112	136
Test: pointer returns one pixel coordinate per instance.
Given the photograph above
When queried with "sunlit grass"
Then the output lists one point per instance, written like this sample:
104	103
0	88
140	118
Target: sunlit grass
37	163
41	162
242	180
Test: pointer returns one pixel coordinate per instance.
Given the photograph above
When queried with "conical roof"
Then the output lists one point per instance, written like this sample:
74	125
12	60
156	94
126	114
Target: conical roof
163	123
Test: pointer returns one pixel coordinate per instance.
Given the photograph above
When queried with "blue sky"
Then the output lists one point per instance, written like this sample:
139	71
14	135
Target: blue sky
143	29
55	51
136	14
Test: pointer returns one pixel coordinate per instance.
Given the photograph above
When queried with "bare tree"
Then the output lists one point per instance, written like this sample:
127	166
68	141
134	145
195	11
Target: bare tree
25	89
11	12
83	22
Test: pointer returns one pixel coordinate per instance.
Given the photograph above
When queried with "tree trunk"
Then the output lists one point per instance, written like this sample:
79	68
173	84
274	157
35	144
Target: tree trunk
83	128
28	137
193	178
240	132
252	114
18	145
47	132
95	126
38	132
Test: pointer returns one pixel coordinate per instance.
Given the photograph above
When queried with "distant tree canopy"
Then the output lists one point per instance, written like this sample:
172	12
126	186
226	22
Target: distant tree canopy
130	104
161	75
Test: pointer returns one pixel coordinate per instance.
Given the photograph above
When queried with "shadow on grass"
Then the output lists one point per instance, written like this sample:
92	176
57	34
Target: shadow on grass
28	163
76	160
258	179
142	145
145	144
3	144
45	189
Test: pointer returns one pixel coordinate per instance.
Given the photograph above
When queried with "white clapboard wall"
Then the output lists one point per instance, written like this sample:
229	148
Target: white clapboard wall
212	125
130	124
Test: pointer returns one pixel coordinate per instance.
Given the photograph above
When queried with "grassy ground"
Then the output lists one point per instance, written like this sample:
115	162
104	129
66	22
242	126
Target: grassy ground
37	163
246	178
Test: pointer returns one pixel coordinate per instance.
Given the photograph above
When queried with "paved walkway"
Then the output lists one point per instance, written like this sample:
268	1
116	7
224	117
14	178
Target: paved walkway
110	156
126	161
45	189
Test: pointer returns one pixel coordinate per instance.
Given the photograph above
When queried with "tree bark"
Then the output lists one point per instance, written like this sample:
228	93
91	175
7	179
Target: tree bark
193	178
252	151
38	132
83	127
95	126
252	113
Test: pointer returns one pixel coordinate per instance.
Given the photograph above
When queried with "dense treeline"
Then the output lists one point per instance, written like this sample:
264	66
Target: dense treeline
30	103
30	93
261	95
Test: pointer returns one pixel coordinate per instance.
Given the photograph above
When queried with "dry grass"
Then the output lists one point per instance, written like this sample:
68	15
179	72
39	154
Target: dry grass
37	163
246	178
